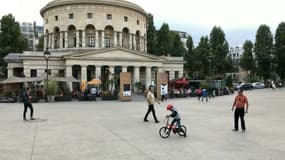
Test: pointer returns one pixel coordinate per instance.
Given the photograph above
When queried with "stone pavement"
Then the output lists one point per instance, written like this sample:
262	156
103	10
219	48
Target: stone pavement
116	131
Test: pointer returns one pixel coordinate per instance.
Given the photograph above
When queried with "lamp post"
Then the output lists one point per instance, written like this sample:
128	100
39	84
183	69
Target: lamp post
46	56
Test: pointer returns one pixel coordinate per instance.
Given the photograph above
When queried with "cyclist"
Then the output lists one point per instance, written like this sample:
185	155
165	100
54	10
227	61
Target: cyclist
175	115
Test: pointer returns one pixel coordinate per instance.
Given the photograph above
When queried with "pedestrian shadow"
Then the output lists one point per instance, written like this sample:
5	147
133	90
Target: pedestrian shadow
36	120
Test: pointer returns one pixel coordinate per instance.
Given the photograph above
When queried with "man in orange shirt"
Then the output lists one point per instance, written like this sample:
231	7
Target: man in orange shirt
241	107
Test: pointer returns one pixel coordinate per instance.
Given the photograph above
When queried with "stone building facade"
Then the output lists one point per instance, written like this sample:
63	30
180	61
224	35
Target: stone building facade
88	37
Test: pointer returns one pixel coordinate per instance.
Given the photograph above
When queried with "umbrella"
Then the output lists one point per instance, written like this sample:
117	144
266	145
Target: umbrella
95	82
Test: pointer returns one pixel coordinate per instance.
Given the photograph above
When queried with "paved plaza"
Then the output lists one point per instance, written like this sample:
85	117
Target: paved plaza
115	130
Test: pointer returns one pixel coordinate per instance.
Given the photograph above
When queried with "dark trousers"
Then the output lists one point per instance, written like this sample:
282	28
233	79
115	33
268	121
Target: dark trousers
26	106
93	97
150	109
239	113
178	122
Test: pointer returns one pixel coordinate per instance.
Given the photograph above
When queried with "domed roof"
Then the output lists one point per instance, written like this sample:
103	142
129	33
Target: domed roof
120	3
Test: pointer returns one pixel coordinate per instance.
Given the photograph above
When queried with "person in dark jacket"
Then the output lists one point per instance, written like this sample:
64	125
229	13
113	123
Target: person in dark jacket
27	98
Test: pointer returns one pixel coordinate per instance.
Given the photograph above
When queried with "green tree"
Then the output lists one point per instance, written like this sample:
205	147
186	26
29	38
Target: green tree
189	56
177	47
219	50
200	63
263	50
247	61
280	49
164	40
11	39
151	36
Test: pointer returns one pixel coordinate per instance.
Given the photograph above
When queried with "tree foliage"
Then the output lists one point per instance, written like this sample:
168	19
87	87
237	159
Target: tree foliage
189	55
164	40
219	50
200	62
280	50
151	36
177	48
247	61
11	39
263	49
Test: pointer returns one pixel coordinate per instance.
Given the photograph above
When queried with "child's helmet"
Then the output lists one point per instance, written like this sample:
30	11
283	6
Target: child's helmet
169	107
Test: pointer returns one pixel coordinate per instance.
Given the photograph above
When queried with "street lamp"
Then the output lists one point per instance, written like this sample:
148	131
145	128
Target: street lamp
46	56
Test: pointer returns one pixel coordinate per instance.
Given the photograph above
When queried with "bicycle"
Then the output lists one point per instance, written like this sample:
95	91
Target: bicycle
165	131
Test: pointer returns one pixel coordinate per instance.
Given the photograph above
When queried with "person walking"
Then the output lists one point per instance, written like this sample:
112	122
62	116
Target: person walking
93	92
204	95
240	107
150	100
27	100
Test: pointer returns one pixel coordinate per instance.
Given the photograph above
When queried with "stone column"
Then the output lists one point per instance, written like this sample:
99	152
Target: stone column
45	41
141	44
145	45
112	69
135	42
83	72
66	39
98	72
83	39
60	40
68	74
27	72
136	74
10	72
115	39
50	41
102	39
124	69
120	39
77	39
130	41
97	40
148	76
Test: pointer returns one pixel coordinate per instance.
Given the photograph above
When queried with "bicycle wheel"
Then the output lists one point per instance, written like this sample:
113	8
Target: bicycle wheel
164	132
183	131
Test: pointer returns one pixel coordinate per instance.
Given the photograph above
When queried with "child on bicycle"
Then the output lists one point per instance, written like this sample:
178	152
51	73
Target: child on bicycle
175	115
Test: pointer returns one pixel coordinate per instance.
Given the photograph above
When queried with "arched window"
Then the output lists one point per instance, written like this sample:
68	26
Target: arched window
109	37
90	35
126	38
138	41
72	36
56	37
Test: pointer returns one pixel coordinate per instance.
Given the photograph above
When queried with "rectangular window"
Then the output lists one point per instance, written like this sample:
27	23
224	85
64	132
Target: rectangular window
109	16
33	73
107	42
91	41
138	22
176	74
61	72
56	18
71	16
126	19
89	15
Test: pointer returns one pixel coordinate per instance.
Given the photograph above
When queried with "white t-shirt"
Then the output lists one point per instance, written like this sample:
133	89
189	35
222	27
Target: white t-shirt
93	90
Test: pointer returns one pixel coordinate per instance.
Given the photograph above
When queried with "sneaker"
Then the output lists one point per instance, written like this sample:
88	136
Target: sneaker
32	119
25	119
157	122
234	130
243	131
145	120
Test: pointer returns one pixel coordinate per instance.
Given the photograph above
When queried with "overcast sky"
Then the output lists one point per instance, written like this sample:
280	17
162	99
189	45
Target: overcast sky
238	18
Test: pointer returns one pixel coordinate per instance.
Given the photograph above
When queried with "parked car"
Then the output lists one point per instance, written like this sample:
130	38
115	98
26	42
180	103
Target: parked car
258	85
235	86
246	86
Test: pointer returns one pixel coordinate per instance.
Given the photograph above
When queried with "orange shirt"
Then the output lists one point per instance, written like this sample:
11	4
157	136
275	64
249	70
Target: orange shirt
240	101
